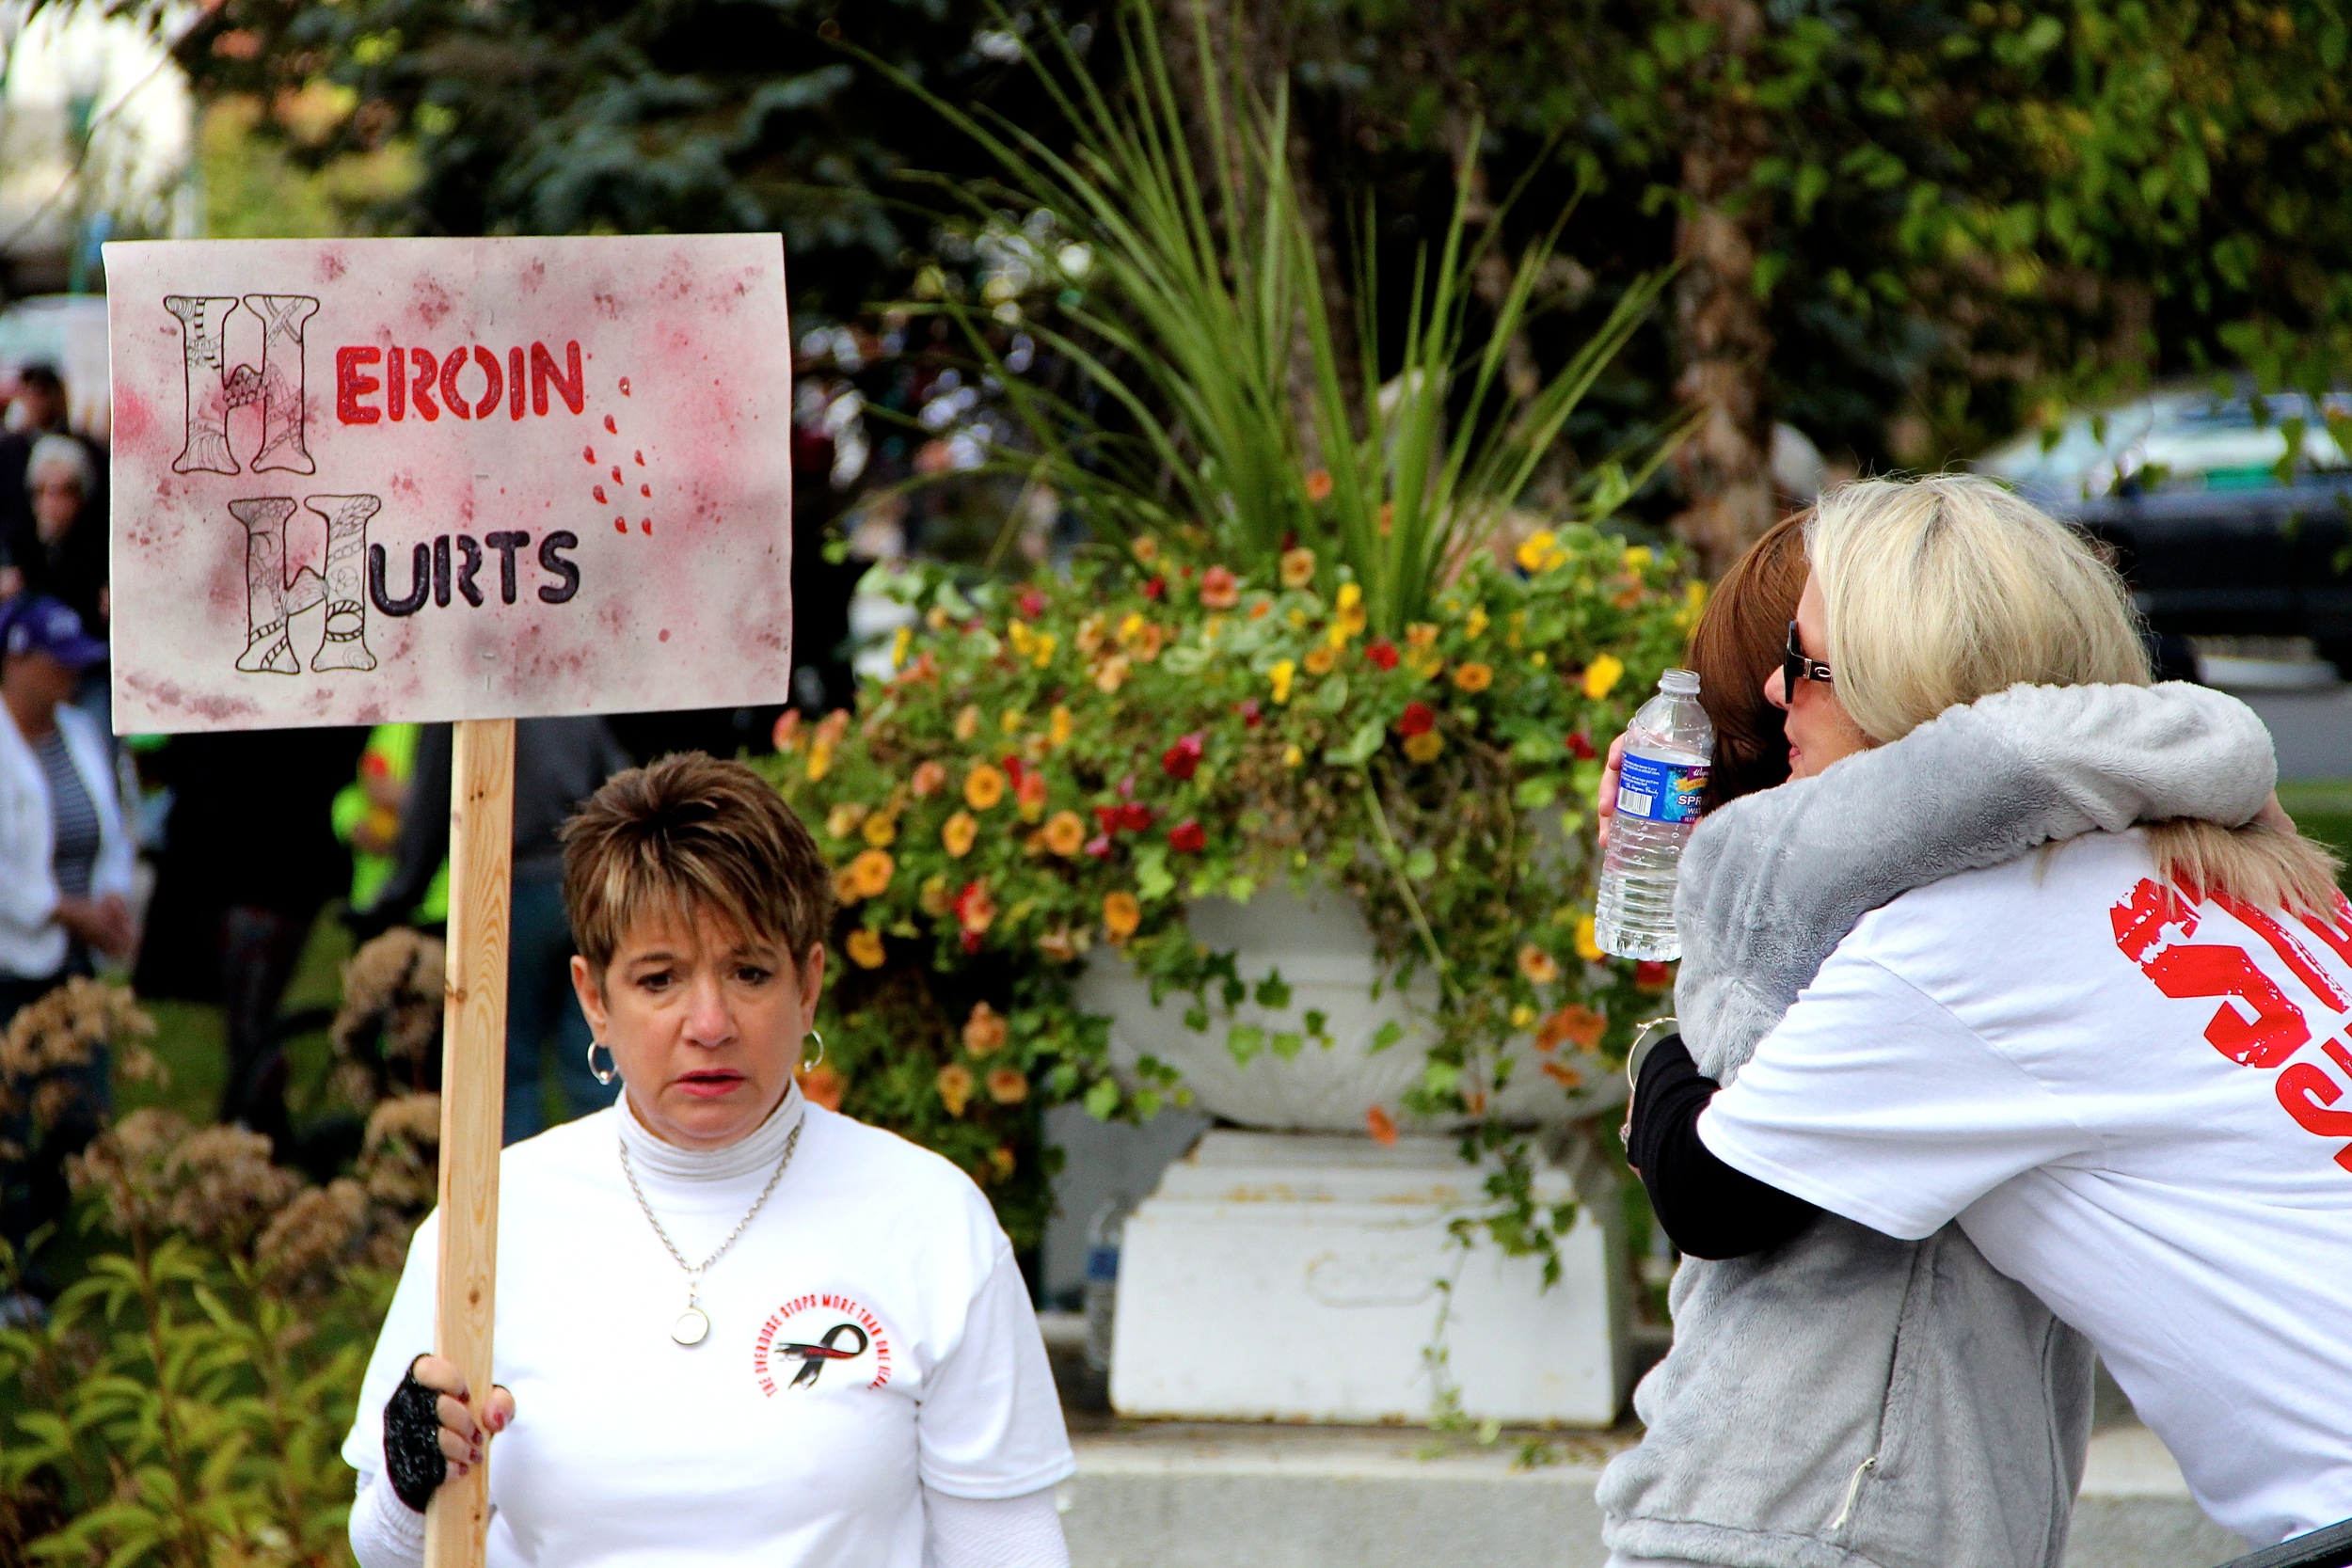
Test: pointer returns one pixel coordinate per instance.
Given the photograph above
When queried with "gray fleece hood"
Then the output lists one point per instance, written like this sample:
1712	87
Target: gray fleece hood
1847	1400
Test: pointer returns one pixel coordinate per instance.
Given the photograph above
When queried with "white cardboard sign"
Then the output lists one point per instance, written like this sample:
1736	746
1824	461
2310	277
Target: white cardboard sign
365	481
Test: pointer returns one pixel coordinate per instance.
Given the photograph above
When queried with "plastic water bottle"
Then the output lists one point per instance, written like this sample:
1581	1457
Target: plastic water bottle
1667	750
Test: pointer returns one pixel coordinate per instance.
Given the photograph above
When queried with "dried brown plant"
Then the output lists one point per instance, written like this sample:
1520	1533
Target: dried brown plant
156	1173
399	1159
50	1038
388	1029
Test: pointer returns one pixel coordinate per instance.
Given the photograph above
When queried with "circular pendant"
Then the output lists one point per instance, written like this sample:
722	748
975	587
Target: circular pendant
692	1328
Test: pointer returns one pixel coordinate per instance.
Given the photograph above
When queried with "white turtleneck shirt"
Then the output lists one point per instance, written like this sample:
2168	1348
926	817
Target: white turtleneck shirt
871	1349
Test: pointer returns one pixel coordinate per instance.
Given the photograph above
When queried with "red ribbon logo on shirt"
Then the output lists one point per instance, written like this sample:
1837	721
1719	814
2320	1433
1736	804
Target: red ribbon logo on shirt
822	1331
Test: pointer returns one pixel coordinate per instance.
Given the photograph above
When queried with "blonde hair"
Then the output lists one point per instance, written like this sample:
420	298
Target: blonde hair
1941	590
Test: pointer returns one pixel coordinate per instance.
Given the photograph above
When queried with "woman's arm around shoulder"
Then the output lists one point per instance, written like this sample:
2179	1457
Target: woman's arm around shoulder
987	1532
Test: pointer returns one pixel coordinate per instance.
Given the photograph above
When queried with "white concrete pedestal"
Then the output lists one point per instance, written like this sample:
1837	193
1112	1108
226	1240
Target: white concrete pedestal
1296	1276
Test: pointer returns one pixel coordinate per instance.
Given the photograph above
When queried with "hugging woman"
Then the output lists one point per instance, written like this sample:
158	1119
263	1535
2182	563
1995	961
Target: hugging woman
1840	1392
733	1326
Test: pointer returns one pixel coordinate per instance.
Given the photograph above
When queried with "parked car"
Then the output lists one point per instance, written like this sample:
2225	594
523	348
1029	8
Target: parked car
2184	488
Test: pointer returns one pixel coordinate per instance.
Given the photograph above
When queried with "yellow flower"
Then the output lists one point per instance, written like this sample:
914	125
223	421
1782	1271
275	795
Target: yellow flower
870	872
1141	637
1426	746
1420	634
1122	914
985	1030
1320	658
968	722
1473	677
1066	834
1601	676
1538	966
1538	659
1046	643
843	820
1298	567
955	1088
1111	674
1281	673
1059	725
819	760
1147	548
1349	620
1638	557
1000	1162
844	886
1534	547
1586	947
898	646
865	948
958	832
881	830
1008	1085
1017	632
983	788
1291	755
1010	720
1521	1016
1476	626
1090	635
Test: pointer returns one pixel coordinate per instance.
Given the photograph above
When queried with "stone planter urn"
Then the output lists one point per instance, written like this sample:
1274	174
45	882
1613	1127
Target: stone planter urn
1293	1268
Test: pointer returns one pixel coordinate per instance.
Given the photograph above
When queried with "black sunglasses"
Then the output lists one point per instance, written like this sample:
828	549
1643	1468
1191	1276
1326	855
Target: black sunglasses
1795	665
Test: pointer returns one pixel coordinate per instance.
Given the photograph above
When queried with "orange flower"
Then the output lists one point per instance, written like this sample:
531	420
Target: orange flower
1111	674
1141	637
1147	548
1065	833
976	907
843	820
985	1030
1298	567
832	726
1000	1162
1059	944
881	830
1058	726
870	872
968	722
845	887
1122	914
1473	677
1575	1023
929	776
1219	589
983	788
787	731
1537	965
822	1087
1008	1085
865	948
1320	658
1381	1125
1318	489
958	832
1032	793
1564	1075
955	1088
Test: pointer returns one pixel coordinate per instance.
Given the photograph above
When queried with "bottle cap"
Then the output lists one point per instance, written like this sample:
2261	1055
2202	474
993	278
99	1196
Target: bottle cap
1679	683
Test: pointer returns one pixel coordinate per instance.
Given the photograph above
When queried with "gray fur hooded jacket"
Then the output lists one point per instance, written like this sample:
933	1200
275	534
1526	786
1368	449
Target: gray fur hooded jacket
1848	1399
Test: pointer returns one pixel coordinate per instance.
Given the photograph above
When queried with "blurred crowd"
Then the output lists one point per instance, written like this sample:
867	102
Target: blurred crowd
199	866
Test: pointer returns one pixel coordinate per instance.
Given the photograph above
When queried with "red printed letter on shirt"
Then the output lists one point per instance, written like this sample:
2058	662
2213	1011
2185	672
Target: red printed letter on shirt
2277	1030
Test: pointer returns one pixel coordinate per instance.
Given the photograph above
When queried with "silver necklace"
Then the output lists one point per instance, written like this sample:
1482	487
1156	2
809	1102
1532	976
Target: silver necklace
693	1325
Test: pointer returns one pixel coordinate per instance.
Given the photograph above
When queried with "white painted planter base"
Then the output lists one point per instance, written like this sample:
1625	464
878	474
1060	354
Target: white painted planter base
1295	1276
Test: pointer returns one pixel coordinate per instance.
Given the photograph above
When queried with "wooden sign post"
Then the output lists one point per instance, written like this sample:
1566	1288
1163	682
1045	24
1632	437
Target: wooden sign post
361	481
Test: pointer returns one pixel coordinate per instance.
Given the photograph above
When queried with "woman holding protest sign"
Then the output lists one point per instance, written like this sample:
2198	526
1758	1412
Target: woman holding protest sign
731	1325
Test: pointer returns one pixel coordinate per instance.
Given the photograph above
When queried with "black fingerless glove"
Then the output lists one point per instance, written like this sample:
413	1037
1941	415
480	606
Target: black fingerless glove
412	1441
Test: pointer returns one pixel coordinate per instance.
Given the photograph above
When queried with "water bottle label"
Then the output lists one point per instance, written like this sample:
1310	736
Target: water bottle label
1661	791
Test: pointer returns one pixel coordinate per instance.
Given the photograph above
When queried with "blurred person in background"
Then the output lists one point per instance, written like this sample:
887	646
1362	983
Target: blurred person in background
37	409
367	816
559	763
61	551
249	859
65	870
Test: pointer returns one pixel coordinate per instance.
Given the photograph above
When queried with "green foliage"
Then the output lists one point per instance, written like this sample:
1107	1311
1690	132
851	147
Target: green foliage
1059	766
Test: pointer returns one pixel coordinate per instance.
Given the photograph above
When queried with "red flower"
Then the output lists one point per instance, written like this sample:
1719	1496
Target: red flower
1108	817
1418	719
1155	588
971	942
1650	975
1581	747
1032	603
1249	713
1100	845
1219	589
1134	819
1182	760
1382	653
1013	767
1187	837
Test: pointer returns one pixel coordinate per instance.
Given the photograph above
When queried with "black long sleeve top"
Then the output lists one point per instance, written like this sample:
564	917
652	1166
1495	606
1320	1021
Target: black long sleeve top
1708	1208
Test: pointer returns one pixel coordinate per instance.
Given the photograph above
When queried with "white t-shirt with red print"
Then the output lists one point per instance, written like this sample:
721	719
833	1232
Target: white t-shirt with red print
2139	1109
871	1346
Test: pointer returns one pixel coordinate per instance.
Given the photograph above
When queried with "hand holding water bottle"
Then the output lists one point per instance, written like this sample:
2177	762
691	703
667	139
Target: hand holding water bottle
1652	792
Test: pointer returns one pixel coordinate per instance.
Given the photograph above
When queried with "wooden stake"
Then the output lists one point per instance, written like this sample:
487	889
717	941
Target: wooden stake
473	1102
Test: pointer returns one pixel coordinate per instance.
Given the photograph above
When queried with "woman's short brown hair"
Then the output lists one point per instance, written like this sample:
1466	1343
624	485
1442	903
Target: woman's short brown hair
689	835
1737	645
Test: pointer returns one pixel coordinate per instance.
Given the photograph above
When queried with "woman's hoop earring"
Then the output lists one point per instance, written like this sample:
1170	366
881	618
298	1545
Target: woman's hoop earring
807	1064
608	1076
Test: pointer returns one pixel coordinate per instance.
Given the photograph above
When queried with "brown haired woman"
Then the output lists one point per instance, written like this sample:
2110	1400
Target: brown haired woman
732	1326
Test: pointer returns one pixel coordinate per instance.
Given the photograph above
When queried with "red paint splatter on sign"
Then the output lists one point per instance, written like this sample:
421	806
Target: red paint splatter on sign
599	495
624	386
647	525
588	453
665	634
646	490
640	459
610	426
620	525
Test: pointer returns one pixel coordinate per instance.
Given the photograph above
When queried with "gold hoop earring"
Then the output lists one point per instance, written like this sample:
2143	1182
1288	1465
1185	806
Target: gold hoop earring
606	1076
807	1064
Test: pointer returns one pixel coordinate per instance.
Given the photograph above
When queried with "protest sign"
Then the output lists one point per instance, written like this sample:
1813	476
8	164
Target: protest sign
360	480
369	481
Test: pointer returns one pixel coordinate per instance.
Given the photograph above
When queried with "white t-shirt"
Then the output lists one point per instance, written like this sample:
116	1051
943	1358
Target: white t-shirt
2130	1107
628	1448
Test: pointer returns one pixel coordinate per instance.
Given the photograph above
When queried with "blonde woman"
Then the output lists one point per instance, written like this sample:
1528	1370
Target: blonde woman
2108	1068
733	1326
